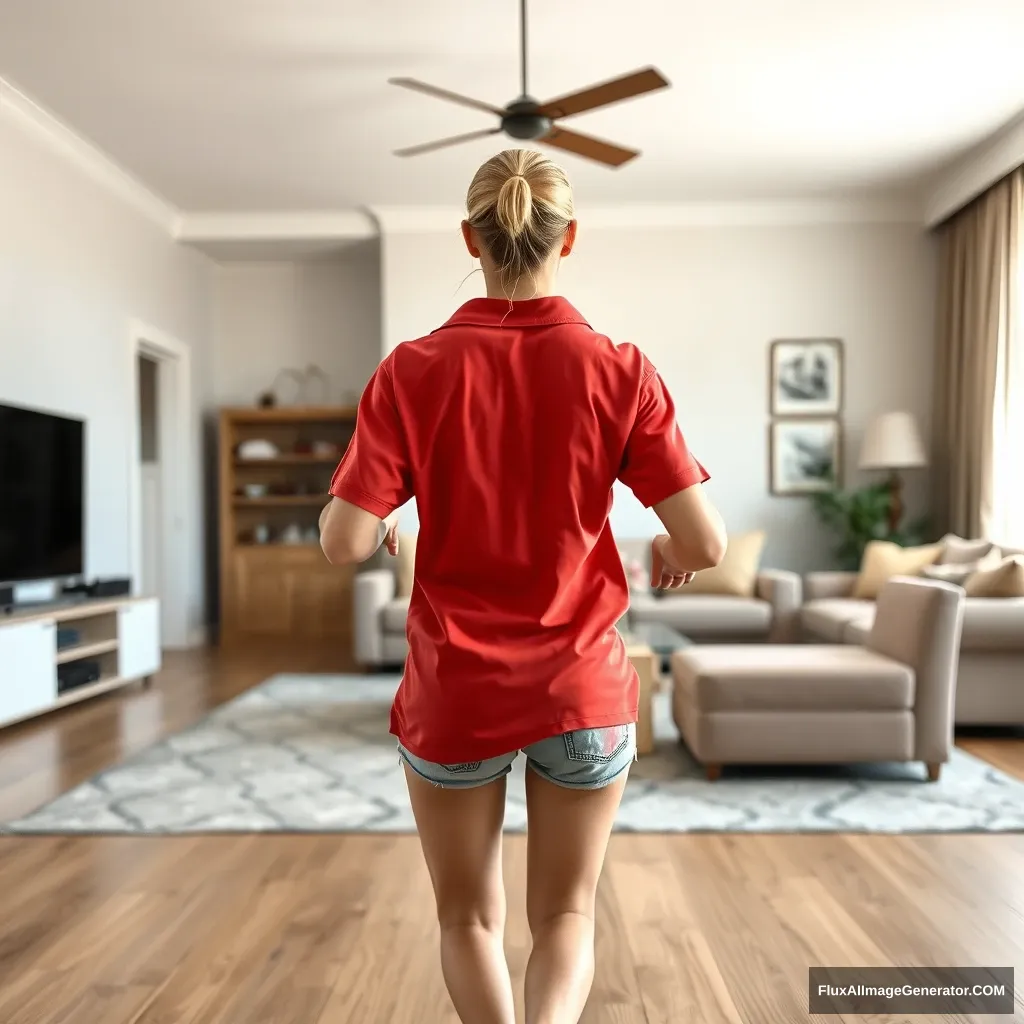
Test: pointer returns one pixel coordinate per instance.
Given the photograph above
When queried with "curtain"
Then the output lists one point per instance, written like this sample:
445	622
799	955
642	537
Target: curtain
1005	519
978	365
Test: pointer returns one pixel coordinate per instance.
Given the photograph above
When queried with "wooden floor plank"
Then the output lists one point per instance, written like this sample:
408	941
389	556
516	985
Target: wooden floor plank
339	929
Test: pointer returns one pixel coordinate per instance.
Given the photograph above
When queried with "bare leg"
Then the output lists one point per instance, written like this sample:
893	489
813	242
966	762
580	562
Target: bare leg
567	839
460	831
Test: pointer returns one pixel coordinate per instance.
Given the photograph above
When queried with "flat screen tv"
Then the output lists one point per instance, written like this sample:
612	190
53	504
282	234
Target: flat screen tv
42	461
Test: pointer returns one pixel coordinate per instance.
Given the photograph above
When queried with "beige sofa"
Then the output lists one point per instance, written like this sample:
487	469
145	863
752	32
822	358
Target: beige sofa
990	690
771	613
379	619
889	700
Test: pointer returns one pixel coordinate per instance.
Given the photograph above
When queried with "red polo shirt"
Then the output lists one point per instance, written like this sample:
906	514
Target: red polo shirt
509	427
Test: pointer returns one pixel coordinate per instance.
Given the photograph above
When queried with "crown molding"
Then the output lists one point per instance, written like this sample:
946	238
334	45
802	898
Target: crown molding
979	170
303	225
35	120
780	213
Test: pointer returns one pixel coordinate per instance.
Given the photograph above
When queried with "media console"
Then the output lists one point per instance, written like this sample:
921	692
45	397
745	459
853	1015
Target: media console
106	644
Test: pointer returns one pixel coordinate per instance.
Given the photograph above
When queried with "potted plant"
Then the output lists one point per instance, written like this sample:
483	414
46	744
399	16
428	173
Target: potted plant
862	516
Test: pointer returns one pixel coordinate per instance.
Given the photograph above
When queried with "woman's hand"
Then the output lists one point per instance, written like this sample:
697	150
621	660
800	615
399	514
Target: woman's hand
665	575
391	540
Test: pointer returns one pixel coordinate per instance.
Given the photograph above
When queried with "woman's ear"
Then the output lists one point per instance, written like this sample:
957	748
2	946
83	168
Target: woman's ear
470	240
570	238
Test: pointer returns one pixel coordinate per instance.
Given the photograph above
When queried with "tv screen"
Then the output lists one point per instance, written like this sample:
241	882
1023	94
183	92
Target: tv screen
41	501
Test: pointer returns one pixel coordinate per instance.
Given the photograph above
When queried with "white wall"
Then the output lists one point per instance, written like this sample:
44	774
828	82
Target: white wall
76	265
704	303
290	314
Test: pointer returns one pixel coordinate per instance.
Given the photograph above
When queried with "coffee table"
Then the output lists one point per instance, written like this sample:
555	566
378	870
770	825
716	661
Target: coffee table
649	646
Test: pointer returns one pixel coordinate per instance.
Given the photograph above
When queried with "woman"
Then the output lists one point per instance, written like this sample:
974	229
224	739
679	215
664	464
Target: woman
509	425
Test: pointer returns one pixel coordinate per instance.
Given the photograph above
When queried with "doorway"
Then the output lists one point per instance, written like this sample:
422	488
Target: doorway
163	479
149	473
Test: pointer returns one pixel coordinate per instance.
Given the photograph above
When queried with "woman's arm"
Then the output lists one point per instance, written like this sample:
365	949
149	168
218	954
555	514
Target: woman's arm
696	534
350	534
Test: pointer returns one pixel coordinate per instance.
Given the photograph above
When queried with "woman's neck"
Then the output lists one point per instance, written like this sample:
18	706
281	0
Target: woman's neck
538	286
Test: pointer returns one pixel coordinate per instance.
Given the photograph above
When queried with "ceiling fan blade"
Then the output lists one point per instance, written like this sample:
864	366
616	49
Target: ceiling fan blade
586	145
444	94
454	140
624	88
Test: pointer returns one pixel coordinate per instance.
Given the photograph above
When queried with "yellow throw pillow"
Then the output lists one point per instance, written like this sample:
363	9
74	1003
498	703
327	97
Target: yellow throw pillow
405	563
882	560
1006	580
736	574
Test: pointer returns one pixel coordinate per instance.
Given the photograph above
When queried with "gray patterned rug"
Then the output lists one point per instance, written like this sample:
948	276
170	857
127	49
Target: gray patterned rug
313	754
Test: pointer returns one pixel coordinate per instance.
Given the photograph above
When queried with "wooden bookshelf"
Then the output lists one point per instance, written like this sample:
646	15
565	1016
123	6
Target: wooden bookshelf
275	583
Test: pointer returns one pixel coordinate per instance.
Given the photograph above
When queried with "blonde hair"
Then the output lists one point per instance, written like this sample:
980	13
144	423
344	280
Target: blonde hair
519	203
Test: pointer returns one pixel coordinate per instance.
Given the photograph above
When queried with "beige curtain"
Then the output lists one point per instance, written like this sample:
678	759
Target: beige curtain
978	361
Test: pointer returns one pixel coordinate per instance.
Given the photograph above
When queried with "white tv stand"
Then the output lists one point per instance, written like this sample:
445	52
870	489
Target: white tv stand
121	634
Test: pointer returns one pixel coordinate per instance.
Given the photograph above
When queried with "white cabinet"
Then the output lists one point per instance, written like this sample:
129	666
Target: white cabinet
138	639
117	641
28	673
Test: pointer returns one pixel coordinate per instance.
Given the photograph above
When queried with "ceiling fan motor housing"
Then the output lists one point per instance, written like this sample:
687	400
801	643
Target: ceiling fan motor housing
522	120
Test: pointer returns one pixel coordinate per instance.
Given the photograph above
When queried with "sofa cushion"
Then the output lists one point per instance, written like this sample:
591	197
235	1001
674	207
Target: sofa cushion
993	624
883	560
394	614
782	677
736	574
1003	580
957	550
706	615
827	617
958	573
857	631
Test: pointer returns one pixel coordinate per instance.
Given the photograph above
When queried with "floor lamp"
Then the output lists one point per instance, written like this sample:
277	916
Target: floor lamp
893	442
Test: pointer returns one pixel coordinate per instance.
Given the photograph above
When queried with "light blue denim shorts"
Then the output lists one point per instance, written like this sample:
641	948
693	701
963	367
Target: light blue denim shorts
584	759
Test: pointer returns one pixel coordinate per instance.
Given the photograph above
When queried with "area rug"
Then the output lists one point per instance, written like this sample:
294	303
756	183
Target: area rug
307	753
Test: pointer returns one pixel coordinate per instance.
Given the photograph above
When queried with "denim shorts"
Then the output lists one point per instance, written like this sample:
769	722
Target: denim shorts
584	759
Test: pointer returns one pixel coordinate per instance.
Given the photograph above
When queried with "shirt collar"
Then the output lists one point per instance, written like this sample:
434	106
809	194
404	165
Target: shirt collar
552	309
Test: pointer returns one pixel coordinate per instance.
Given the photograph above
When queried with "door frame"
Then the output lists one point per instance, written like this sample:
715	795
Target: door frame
178	475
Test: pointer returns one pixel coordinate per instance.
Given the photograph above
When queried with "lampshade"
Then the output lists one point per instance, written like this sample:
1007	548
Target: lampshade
893	441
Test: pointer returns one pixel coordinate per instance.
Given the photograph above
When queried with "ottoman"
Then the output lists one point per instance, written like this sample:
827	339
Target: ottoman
890	700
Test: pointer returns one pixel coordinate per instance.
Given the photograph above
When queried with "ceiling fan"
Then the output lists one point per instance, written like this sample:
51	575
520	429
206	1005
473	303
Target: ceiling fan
527	119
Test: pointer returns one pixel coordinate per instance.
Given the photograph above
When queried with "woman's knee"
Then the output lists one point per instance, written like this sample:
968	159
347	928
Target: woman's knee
461	904
544	907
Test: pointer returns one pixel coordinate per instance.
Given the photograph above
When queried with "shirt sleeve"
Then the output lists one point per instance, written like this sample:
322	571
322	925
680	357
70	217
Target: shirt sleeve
374	472
657	462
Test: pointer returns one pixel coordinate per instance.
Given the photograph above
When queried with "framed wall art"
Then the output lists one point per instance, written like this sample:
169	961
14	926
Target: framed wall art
806	377
805	455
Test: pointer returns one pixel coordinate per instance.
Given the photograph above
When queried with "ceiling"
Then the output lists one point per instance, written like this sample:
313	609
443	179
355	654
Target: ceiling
230	105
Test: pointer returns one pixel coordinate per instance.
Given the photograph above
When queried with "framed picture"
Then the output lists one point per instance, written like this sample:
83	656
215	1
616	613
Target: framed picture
807	377
805	456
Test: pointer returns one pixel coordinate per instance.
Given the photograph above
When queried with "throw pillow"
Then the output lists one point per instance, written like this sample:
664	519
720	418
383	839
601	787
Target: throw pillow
958	573
882	560
736	574
956	550
405	563
1006	580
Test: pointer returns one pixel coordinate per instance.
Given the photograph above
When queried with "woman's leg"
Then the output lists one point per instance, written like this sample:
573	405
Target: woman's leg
569	826
460	831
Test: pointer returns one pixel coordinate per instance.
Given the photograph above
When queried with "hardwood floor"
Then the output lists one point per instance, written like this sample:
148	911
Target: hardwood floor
337	929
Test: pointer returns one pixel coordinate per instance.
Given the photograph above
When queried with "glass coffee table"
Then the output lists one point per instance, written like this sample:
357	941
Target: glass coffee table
650	646
662	639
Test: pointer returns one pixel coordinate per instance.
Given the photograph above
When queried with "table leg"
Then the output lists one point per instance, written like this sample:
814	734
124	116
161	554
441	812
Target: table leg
647	671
